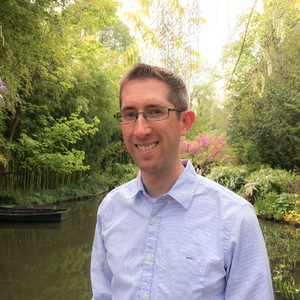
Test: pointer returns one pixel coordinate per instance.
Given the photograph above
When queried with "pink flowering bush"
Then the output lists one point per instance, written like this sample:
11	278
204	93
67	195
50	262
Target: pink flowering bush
203	150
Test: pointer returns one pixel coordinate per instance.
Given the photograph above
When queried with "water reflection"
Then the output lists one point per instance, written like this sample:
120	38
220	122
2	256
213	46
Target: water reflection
283	245
48	260
52	261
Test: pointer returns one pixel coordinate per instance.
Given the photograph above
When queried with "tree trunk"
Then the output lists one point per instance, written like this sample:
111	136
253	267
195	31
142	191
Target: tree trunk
10	134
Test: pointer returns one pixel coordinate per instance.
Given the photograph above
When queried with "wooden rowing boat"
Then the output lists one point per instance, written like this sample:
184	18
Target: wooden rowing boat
32	213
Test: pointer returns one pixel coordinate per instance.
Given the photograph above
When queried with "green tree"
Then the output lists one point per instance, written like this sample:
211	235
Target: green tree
55	57
54	147
31	36
264	84
97	69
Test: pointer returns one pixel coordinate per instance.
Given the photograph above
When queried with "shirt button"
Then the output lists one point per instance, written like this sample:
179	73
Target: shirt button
144	200
153	220
144	296
148	257
169	201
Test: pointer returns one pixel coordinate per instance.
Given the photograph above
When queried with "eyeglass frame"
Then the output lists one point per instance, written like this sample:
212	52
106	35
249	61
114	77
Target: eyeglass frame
118	115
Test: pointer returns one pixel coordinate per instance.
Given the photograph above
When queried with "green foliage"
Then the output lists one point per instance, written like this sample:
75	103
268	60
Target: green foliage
293	215
31	34
266	180
3	160
264	88
232	177
284	203
273	192
31	49
51	196
112	154
274	206
55	57
263	205
127	172
51	149
124	173
120	174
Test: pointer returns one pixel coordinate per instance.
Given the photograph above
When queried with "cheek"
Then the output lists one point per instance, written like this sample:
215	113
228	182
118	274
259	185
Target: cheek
126	137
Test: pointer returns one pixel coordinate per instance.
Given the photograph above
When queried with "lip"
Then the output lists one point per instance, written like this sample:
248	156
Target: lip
147	147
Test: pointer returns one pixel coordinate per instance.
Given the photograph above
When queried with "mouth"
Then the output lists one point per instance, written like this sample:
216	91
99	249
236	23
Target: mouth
147	147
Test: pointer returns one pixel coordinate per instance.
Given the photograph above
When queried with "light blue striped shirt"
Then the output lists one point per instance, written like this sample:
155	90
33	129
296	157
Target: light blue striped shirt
198	241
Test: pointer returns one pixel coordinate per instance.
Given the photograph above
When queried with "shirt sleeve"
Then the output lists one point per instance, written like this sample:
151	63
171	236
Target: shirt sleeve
100	272
247	265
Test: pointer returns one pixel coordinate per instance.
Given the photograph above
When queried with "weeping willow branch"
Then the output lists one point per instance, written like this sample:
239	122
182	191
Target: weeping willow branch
242	48
259	62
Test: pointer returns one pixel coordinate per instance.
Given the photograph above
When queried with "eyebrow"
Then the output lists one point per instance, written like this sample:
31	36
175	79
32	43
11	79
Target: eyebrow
128	107
147	106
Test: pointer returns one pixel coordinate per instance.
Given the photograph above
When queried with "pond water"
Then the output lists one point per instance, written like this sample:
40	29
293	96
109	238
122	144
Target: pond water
52	261
49	261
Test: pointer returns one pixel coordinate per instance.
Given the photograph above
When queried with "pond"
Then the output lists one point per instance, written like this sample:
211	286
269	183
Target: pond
52	261
49	261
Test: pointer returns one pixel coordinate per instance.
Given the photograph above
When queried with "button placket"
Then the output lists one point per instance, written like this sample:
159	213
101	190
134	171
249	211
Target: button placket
150	247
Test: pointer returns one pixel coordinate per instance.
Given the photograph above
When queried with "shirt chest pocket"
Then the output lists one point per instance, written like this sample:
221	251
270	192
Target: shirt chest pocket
181	276
183	265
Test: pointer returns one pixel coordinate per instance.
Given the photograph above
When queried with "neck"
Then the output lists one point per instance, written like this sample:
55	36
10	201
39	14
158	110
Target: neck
159	184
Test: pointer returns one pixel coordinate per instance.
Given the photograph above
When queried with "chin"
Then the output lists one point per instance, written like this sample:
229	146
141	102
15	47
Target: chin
150	168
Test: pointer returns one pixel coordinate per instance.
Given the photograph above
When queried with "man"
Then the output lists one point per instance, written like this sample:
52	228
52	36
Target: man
171	233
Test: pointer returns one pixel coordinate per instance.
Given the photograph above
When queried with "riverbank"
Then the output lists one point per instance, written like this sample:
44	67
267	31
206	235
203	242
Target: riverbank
285	214
50	197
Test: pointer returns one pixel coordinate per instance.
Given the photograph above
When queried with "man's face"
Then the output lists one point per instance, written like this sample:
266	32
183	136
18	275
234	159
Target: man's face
154	146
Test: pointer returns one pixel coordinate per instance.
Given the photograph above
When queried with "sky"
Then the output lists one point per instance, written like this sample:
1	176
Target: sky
220	16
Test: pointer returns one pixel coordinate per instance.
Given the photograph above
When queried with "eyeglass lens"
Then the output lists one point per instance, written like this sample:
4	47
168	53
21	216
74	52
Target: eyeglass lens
151	114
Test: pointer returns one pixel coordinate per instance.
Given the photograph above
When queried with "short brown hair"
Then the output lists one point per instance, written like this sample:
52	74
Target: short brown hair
178	94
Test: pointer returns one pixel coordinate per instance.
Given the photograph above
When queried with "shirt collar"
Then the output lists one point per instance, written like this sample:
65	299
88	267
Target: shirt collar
182	191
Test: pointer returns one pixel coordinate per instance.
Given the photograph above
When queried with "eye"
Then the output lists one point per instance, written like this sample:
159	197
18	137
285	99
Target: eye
155	111
130	114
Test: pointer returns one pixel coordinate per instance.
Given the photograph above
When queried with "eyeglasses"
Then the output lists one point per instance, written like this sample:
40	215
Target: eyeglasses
151	114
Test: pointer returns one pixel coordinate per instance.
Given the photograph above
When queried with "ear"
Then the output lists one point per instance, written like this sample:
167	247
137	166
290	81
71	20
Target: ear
187	120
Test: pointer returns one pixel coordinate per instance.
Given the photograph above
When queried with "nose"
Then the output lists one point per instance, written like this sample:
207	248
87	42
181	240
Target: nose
142	127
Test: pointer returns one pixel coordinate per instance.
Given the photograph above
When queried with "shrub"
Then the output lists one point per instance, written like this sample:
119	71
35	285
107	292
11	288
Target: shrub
266	180
122	173
204	149
284	203
293	215
232	177
131	173
49	196
263	205
114	153
285	206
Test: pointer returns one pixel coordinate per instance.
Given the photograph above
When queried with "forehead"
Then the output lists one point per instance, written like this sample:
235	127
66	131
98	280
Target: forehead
144	93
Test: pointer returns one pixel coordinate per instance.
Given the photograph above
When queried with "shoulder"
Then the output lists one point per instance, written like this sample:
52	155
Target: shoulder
225	202
208	195
117	196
